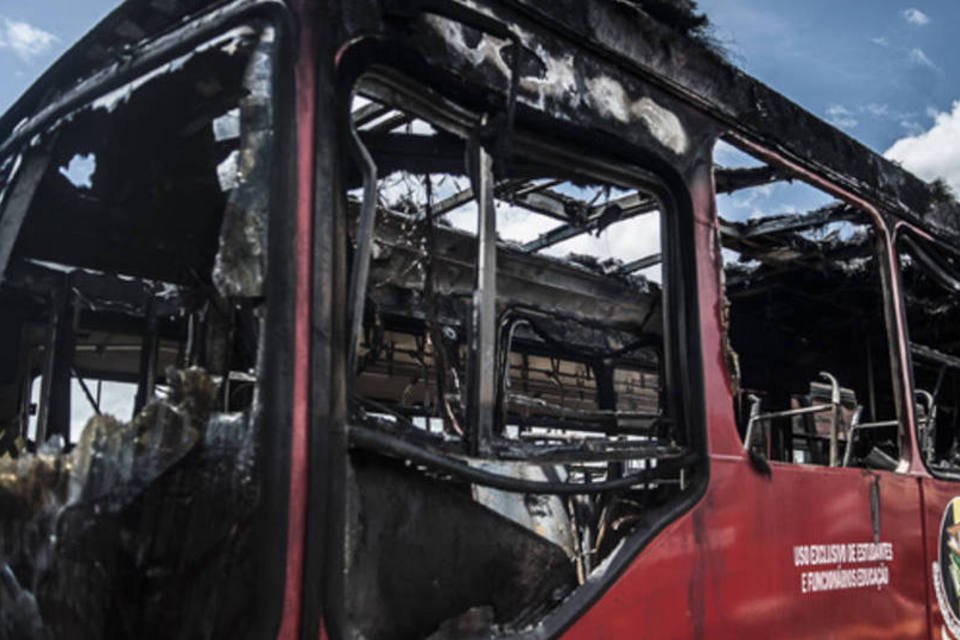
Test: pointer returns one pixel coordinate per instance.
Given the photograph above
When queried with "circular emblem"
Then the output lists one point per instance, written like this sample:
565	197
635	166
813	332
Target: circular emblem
946	572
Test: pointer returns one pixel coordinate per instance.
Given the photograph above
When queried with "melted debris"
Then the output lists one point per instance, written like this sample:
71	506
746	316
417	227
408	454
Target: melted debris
137	530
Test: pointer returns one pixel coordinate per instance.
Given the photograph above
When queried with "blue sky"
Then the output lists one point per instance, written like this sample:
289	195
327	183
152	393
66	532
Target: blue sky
884	70
34	32
877	69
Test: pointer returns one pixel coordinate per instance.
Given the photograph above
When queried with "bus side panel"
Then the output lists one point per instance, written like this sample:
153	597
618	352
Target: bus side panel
733	567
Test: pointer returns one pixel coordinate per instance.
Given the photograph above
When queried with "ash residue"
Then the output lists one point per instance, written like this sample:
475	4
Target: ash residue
141	531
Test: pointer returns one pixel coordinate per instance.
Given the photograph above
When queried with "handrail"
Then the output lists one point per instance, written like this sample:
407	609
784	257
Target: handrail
834	406
855	426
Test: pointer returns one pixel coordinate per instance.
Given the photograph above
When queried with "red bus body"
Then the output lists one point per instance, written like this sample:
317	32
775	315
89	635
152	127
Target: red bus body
746	553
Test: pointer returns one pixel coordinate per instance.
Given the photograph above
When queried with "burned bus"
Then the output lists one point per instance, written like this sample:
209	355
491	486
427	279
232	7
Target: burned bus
440	319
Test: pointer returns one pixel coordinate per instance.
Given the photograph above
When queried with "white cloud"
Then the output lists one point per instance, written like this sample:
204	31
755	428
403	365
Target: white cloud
517	224
912	127
934	153
727	155
880	41
840	116
919	58
626	240
915	16
24	39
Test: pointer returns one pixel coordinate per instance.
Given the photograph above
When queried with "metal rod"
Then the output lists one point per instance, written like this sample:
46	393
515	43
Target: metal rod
58	413
754	417
641	263
932	355
460	198
788	413
360	269
484	341
835	423
631	205
94	402
856	428
392	122
854	425
834	406
146	379
881	424
368	113
46	381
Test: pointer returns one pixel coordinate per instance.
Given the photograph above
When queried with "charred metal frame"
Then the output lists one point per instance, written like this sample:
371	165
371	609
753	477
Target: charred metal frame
909	233
404	92
42	107
484	338
680	337
758	118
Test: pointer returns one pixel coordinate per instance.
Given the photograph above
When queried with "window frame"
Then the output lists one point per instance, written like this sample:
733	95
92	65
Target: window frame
886	255
682	328
916	234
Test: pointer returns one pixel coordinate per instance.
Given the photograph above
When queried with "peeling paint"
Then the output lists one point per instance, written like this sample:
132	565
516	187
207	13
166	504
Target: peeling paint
560	78
228	43
609	97
559	81
487	49
663	124
604	93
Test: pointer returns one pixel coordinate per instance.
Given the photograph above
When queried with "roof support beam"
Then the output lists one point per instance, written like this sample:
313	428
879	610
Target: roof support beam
641	264
599	217
731	180
368	113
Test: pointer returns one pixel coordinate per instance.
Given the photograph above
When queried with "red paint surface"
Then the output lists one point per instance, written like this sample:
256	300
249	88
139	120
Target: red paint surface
296	518
725	569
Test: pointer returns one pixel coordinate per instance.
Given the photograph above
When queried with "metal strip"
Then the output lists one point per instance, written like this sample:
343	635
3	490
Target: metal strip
24	184
484	341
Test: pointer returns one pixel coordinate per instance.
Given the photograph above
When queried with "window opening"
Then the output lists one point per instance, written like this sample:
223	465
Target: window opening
930	282
807	344
511	341
131	317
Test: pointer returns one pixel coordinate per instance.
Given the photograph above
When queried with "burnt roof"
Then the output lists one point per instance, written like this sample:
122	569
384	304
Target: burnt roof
111	40
659	39
680	15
